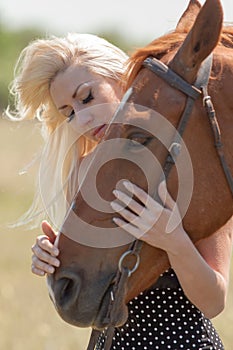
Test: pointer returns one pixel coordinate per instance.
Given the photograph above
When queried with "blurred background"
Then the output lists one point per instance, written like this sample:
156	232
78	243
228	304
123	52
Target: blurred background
28	320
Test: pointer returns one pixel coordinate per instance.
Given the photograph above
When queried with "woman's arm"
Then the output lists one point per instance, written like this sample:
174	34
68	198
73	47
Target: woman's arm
202	270
44	258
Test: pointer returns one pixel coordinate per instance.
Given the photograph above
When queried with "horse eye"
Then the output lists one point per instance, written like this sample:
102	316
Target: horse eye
138	141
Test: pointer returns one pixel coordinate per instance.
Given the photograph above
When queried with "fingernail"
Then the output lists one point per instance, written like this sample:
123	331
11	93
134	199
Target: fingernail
115	206
51	269
57	262
116	193
55	251
128	184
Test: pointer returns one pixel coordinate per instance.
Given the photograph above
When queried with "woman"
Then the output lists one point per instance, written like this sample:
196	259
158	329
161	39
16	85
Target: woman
58	75
92	68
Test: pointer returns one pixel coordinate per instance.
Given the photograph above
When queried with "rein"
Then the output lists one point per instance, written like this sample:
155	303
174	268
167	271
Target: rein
102	340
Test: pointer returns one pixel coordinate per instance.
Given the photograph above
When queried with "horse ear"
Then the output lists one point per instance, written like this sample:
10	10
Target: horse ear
189	16
200	41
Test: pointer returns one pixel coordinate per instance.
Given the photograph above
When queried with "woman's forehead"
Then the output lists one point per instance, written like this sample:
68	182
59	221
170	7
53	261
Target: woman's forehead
75	72
68	81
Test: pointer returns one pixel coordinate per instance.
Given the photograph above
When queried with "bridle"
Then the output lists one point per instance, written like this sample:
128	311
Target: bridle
102	340
200	88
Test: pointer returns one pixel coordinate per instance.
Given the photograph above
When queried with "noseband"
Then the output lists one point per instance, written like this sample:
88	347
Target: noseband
103	340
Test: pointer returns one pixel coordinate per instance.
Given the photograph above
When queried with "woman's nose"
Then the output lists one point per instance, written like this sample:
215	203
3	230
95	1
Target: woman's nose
83	118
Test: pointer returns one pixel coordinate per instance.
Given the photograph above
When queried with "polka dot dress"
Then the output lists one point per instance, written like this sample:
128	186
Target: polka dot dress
163	318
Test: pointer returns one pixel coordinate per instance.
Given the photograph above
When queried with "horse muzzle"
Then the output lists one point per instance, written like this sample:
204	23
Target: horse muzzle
84	303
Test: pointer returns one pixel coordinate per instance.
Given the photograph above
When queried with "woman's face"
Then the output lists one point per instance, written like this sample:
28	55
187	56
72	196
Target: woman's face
76	89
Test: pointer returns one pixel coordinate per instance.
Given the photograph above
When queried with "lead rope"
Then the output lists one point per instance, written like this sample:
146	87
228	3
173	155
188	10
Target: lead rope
102	340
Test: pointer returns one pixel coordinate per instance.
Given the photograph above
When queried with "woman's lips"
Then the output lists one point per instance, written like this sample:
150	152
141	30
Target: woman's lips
100	131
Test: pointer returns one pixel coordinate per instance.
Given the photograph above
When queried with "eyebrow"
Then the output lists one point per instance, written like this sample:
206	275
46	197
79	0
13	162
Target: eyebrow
73	96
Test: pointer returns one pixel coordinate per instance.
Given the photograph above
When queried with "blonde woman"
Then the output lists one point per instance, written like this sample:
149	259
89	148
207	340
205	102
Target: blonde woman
57	79
48	73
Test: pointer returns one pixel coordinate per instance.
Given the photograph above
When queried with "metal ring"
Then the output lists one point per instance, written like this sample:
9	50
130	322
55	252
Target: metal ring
129	252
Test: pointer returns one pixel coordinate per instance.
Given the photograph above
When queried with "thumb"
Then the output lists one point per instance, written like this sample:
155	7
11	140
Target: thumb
48	231
165	197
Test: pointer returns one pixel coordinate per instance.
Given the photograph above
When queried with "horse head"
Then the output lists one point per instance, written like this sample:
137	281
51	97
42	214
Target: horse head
144	127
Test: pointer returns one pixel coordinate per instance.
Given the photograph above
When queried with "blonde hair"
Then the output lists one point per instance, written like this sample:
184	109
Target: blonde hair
37	66
43	59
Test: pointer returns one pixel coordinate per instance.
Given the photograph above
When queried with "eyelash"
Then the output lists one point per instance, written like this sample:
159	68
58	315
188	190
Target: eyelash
88	98
84	101
71	116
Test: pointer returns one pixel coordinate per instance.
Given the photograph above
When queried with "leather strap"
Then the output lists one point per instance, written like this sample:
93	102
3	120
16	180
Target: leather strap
217	137
173	79
193	92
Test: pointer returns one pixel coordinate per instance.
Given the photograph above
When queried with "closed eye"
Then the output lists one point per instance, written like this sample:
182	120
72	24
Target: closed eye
71	116
84	101
88	98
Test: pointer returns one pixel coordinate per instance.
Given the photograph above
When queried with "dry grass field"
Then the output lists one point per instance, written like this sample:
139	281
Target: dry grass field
28	320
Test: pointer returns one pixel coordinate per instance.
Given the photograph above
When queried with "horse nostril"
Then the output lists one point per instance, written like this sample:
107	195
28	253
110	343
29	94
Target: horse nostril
66	291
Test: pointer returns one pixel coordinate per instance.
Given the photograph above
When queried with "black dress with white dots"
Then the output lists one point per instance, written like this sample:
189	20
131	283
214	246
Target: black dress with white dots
163	318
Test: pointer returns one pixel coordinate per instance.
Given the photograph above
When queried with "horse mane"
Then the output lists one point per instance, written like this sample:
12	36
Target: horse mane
165	44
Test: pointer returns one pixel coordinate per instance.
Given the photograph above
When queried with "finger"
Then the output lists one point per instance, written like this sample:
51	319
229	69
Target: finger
128	227
143	196
36	271
126	214
44	243
42	255
48	231
165	196
127	200
42	266
137	221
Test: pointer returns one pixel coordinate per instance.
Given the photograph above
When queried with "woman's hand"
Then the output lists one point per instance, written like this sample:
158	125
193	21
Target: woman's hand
150	221
44	252
205	266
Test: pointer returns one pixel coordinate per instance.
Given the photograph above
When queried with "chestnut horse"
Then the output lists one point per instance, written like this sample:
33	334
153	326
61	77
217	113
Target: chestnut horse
81	287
